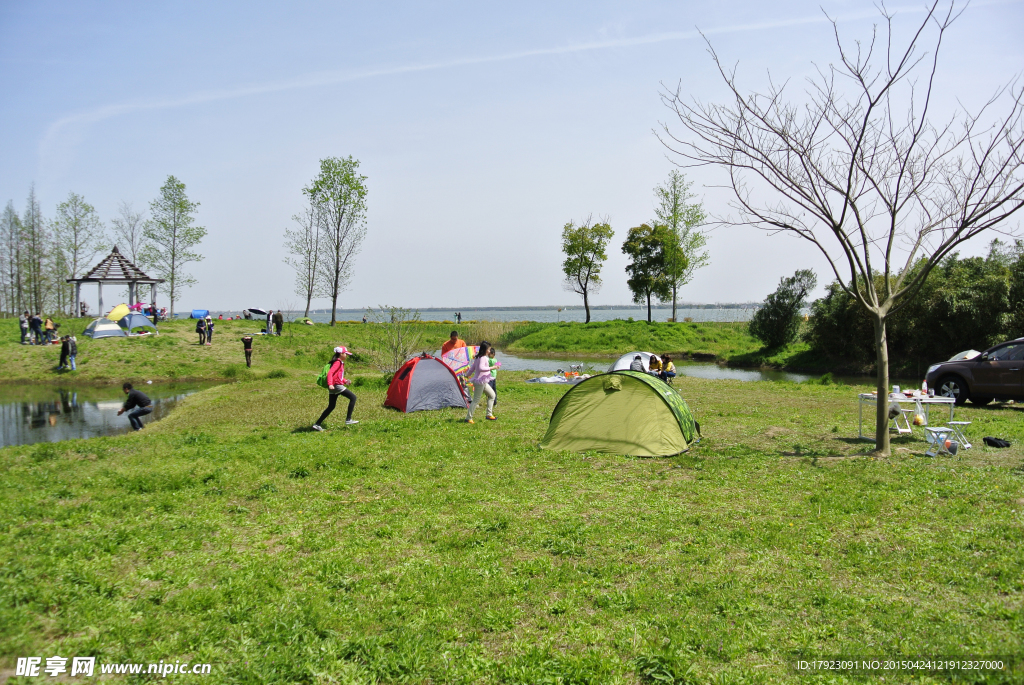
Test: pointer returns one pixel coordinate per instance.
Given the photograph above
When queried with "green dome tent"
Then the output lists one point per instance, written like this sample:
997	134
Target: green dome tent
623	412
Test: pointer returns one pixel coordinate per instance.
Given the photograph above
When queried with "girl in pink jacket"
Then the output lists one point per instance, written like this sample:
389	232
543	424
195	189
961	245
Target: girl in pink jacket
336	386
481	377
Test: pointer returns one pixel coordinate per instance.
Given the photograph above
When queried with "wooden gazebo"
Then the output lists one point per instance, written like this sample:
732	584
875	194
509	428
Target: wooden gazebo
115	269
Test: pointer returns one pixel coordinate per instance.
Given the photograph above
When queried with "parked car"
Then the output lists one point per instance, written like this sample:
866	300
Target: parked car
995	374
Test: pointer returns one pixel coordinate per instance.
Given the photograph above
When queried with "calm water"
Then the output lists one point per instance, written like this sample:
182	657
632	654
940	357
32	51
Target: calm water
540	314
45	413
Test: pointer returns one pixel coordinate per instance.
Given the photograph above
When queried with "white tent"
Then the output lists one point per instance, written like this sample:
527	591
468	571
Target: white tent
104	328
623	362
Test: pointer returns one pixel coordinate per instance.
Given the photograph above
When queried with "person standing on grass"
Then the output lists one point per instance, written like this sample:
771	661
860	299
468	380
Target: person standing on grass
278	321
247	346
494	363
23	322
72	351
50	330
65	350
209	330
36	323
138	402
336	383
481	377
270	314
201	330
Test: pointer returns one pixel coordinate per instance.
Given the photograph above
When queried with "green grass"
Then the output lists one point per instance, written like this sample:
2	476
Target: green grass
415	548
175	354
693	340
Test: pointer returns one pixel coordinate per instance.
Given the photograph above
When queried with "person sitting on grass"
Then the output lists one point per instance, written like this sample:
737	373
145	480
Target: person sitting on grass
637	364
451	343
668	369
654	365
138	402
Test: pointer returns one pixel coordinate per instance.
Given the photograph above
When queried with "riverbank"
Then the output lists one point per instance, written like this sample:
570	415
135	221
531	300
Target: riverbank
419	548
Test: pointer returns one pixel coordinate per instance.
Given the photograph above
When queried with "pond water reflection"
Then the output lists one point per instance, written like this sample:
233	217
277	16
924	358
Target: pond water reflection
46	413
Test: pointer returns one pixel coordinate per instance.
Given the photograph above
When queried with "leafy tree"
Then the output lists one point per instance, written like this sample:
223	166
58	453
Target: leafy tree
686	254
645	245
339	195
776	323
584	247
36	243
79	234
11	247
856	166
172	236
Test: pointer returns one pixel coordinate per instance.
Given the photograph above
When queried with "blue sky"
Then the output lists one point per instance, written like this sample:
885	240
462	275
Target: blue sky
482	128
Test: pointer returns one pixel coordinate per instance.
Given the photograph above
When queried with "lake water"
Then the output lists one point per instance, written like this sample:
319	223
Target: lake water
545	314
47	413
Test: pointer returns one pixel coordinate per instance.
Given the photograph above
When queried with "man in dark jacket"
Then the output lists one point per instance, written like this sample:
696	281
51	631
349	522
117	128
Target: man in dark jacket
65	349
138	401
278	321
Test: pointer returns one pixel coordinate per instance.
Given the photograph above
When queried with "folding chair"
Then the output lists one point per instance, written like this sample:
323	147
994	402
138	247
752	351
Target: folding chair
938	437
901	422
958	432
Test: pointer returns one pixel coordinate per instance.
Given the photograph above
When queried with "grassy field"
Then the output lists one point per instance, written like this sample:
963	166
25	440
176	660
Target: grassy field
419	549
176	355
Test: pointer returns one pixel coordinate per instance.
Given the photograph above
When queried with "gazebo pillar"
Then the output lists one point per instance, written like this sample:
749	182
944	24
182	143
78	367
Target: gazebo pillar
131	294
99	289
78	299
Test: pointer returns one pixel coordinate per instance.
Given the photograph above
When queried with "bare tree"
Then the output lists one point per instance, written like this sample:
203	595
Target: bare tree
10	243
303	245
339	194
128	229
861	172
394	336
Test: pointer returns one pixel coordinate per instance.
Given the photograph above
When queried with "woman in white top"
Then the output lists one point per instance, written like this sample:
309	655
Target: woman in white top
480	375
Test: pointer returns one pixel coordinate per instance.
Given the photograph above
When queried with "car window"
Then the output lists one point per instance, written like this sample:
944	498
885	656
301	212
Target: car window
1006	353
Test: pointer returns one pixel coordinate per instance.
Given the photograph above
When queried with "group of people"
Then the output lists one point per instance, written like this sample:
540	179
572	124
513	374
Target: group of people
36	331
483	374
68	353
204	327
662	367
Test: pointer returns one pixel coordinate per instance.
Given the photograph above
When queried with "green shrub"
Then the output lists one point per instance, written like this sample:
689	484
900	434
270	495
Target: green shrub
278	373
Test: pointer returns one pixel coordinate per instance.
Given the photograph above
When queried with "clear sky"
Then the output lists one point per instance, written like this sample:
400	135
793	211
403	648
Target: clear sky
482	128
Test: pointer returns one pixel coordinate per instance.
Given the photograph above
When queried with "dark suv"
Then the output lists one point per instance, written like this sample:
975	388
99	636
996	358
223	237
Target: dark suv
996	373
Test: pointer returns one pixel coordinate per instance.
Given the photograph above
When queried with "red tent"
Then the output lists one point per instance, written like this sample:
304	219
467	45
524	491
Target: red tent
425	383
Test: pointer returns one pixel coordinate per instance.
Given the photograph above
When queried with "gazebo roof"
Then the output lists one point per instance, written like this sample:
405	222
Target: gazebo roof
115	268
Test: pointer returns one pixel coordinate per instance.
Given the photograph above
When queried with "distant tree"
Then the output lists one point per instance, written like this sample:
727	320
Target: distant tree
11	246
1014	324
128	229
777	321
79	235
339	195
686	253
303	246
584	248
645	246
36	244
172	236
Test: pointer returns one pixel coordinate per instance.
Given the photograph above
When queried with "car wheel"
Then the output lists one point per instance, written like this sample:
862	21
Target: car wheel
955	387
981	401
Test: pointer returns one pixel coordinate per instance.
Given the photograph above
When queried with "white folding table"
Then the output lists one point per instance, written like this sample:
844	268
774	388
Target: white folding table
921	404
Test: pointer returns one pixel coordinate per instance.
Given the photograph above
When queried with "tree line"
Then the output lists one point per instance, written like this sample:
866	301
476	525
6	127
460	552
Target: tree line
38	254
664	253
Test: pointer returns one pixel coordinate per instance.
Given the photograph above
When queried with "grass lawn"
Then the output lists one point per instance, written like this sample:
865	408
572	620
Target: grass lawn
420	549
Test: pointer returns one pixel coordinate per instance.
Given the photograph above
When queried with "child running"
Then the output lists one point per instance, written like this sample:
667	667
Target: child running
336	386
481	378
495	365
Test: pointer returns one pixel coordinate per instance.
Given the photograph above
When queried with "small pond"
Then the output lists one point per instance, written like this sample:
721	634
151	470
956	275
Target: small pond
48	413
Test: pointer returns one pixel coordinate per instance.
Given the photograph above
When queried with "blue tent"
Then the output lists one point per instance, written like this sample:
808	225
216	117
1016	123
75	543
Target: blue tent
133	321
200	313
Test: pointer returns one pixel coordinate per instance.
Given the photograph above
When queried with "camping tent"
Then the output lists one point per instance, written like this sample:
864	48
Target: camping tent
624	412
623	362
118	312
104	328
425	383
200	313
133	321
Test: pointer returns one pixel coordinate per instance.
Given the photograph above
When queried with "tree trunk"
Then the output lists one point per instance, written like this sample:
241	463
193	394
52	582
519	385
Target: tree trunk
882	447
674	302
586	305
334	306
648	307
